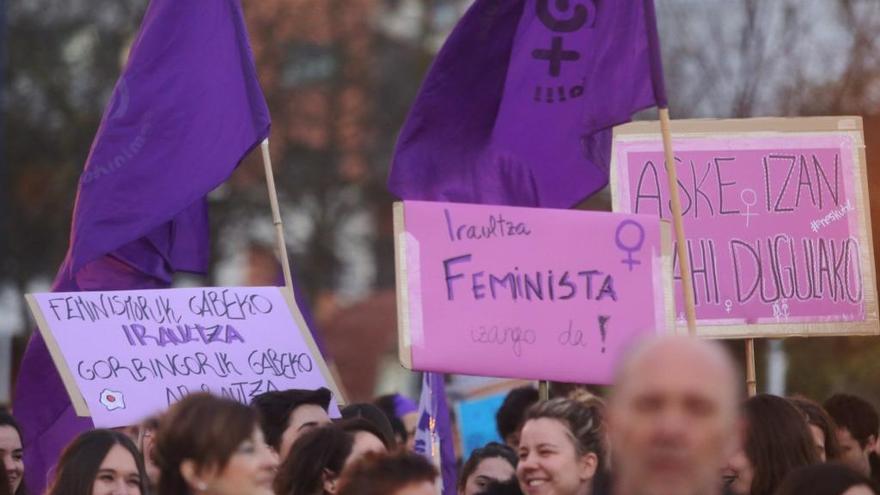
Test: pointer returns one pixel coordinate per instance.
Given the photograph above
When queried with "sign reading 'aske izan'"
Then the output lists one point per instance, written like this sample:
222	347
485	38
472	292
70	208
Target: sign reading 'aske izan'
125	355
775	221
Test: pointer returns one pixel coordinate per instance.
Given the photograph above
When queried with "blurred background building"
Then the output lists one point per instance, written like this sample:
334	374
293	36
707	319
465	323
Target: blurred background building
339	76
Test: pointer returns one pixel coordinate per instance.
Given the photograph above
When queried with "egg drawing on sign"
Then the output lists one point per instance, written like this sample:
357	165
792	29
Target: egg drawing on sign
112	400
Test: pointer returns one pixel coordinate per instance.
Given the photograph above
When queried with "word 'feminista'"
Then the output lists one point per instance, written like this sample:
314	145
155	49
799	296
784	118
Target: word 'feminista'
538	285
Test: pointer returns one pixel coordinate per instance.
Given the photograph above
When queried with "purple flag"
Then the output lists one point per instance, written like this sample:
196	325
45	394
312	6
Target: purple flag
185	111
519	104
434	438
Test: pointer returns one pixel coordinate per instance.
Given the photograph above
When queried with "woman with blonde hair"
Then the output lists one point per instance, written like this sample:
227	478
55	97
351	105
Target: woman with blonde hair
561	448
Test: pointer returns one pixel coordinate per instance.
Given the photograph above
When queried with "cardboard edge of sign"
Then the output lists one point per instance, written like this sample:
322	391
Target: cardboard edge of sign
404	349
79	402
765	126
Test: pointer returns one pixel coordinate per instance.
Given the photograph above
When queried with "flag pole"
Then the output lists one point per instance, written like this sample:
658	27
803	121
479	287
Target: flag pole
543	390
683	260
276	215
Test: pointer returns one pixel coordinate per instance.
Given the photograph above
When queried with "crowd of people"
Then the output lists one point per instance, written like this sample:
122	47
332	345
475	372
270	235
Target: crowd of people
675	422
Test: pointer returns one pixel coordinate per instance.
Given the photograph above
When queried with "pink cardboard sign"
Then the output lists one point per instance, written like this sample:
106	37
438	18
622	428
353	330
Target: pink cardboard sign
775	224
125	355
526	292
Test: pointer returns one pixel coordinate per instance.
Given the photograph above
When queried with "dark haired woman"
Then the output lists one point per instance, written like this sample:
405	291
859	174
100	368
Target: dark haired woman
493	462
560	448
317	458
777	441
821	426
11	453
212	446
99	462
827	479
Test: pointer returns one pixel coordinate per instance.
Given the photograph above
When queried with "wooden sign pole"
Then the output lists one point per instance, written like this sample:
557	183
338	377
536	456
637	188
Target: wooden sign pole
683	260
681	246
339	391
751	379
276	215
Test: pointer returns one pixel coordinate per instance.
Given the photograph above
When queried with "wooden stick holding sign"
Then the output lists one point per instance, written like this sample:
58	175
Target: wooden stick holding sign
678	224
282	247
276	215
751	378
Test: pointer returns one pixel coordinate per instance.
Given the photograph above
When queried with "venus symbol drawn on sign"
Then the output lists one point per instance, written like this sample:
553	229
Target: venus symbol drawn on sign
728	305
749	203
634	247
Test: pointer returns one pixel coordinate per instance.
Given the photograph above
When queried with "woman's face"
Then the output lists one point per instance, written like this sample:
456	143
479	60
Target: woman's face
118	474
488	470
549	463
739	473
250	470
11	455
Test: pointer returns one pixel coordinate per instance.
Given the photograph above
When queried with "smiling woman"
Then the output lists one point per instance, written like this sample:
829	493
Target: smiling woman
100	462
560	448
12	454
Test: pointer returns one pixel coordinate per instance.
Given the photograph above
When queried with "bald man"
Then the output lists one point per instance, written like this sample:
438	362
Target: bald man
672	418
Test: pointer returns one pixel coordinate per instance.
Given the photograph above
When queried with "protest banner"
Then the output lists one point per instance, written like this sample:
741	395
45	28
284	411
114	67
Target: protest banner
125	355
531	293
776	217
476	424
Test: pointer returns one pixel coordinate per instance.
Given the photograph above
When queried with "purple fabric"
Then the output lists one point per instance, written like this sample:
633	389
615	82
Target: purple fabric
404	405
519	104
434	438
185	111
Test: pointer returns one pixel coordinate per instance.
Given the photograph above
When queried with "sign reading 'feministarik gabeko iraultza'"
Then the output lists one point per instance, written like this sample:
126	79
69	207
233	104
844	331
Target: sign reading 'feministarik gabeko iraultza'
125	355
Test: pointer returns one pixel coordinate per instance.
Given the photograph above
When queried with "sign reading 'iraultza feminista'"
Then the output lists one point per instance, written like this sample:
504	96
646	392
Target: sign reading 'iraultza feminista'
531	293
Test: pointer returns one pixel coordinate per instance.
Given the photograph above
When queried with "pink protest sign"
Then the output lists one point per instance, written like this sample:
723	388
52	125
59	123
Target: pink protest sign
775	215
125	355
526	292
